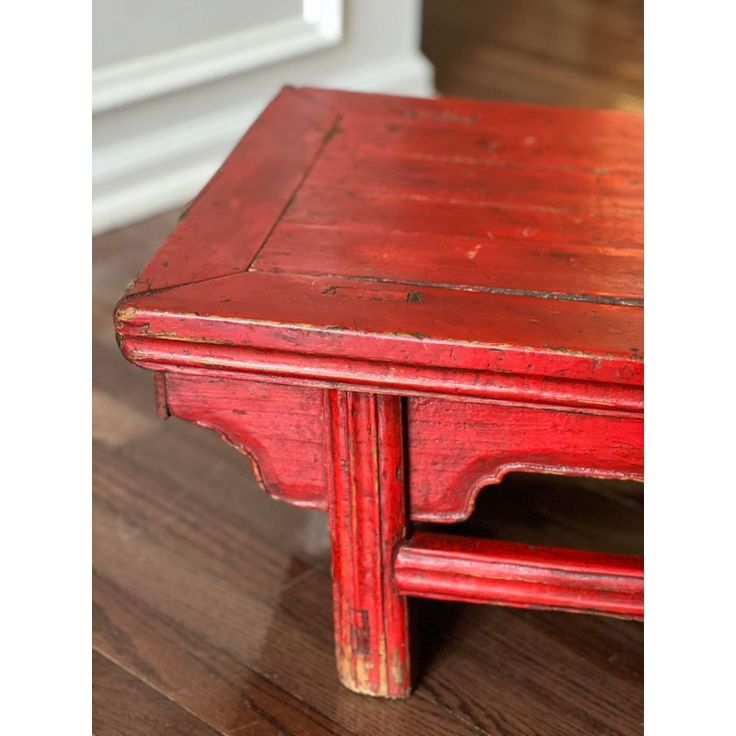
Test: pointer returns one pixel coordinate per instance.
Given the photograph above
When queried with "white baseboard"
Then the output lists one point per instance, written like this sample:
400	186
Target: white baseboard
319	25
146	175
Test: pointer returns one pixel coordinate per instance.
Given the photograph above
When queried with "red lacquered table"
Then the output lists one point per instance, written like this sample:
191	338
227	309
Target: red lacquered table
389	303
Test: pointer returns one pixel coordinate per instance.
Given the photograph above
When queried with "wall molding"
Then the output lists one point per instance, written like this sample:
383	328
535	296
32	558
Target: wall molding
320	25
143	176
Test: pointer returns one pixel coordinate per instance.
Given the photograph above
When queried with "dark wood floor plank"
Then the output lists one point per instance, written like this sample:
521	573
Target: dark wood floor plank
119	379
205	537
237	595
515	689
577	53
192	671
125	706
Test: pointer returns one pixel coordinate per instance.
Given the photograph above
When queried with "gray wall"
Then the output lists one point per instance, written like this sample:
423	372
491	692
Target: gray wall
176	82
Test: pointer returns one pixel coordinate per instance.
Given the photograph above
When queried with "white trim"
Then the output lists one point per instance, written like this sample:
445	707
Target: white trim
149	197
318	26
164	170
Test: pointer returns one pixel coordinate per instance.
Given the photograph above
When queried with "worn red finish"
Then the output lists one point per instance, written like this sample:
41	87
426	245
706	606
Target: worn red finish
488	440
388	303
367	524
267	422
483	571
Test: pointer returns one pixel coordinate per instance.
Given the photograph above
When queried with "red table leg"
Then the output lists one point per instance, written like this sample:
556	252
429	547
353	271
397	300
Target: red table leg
368	523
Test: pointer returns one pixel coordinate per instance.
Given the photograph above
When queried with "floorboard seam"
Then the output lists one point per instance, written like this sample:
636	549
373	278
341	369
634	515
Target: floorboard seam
155	689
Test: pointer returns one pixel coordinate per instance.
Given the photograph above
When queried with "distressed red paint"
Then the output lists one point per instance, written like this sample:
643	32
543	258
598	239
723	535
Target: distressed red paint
367	524
482	571
377	287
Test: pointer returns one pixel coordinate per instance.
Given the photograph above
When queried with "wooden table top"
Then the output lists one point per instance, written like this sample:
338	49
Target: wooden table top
374	233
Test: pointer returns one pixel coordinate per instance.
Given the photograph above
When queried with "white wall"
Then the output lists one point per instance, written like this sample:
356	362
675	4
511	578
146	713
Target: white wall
177	82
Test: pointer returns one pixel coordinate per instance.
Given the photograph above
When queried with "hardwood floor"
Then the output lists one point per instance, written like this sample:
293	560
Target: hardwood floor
212	602
574	53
